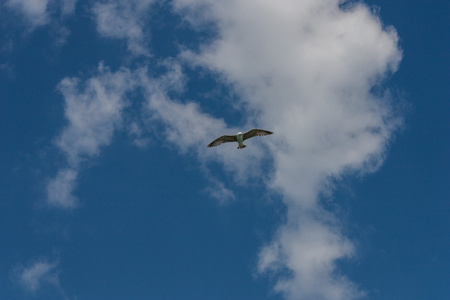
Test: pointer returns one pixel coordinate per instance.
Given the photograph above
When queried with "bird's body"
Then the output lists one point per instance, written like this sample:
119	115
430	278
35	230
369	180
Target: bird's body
239	137
240	140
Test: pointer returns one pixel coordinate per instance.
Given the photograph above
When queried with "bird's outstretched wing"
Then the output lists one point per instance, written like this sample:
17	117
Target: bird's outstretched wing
256	132
223	139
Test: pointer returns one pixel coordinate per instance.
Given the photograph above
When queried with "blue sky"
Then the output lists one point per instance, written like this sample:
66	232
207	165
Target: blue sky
108	191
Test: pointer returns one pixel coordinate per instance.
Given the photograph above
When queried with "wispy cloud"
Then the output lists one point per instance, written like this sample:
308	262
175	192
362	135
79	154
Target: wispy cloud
190	129
60	189
35	12
219	191
39	274
67	7
36	274
93	110
39	13
305	70
97	107
123	19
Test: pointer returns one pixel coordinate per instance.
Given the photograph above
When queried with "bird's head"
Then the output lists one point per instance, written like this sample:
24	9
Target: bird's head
239	132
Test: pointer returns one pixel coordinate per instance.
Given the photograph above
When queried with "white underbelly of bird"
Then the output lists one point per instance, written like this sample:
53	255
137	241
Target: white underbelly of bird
240	140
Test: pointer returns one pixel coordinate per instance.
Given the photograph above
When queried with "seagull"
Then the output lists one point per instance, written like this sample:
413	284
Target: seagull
239	138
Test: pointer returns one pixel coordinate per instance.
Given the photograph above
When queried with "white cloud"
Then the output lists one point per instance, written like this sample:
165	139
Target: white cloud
60	188
305	70
67	6
123	19
137	134
41	12
36	274
309	249
34	11
219	191
93	110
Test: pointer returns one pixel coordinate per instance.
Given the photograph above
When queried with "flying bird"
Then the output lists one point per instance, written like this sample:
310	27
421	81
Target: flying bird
239	138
